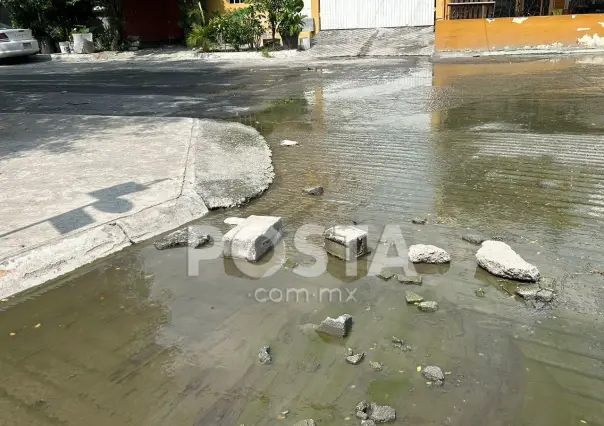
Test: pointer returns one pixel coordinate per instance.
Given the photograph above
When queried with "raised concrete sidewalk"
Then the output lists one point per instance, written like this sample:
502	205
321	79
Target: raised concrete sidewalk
75	189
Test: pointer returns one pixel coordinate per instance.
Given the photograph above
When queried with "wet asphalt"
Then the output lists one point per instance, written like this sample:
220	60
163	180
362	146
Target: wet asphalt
512	149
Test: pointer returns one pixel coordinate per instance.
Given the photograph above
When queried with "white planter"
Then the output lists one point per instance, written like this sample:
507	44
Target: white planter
64	46
83	43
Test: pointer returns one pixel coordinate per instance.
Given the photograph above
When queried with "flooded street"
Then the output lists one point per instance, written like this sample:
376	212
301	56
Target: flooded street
504	149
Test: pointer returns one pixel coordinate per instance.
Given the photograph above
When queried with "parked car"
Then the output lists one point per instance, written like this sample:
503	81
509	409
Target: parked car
17	42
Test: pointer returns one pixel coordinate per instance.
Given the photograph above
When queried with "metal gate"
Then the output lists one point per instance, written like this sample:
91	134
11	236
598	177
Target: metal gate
349	14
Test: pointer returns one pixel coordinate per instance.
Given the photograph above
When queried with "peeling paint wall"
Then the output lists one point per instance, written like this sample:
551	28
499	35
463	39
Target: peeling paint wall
537	32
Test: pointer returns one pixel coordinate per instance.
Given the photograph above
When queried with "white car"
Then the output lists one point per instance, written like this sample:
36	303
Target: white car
15	42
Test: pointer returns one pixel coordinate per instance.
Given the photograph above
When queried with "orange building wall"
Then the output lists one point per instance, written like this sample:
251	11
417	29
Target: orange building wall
517	33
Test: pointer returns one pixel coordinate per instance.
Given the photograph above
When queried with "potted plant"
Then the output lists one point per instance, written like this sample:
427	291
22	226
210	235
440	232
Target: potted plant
82	40
291	22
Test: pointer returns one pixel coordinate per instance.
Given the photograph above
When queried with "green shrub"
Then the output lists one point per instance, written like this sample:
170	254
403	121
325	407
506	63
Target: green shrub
201	38
240	27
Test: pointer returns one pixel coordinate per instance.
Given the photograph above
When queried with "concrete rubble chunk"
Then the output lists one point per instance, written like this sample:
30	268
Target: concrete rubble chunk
376	365
355	359
265	355
287	142
335	327
428	306
499	259
473	238
252	238
422	253
527	292
545	295
433	373
547	283
386	274
234	221
182	238
346	242
382	413
314	190
349	352
307	422
479	292
412	280
361	415
412	297
367	423
419	220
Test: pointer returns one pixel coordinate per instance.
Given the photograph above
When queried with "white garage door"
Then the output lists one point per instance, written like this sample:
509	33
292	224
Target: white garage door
349	14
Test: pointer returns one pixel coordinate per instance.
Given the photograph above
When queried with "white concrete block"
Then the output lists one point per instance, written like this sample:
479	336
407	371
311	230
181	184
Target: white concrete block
252	238
346	242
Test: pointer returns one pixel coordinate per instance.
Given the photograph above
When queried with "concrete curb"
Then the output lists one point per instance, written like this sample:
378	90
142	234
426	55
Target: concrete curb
53	259
443	56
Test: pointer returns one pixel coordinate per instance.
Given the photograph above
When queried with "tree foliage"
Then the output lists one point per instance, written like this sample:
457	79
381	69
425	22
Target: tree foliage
49	18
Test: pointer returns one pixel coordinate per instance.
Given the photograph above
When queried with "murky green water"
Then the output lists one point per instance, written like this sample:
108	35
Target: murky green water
504	149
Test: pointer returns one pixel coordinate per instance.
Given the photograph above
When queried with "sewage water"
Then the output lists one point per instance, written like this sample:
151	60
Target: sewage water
508	149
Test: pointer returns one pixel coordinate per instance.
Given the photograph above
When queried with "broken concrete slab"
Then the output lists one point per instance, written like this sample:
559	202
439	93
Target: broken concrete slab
547	283
336	327
422	253
385	274
188	237
367	423
345	242
314	190
252	238
428	306
499	259
410	280
545	295
412	297
234	166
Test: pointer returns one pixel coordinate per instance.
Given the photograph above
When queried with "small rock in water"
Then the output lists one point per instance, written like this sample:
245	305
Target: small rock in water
382	413
545	295
314	190
355	359
547	283
397	343
428	306
480	292
286	142
499	259
419	220
376	365
336	327
422	253
265	355
386	274
361	410
233	221
411	297
284	413
307	422
182	238
414	280
473	238
527	292
367	422
349	352
434	374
